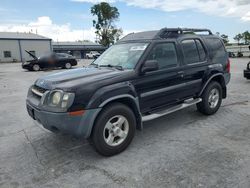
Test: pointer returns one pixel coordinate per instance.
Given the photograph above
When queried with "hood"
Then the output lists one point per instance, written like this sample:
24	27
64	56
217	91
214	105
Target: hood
31	54
73	79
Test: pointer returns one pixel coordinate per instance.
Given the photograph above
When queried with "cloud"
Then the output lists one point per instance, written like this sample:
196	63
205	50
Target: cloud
246	17
225	8
44	26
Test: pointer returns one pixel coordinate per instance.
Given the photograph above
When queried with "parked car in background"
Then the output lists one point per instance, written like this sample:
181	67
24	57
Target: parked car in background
247	71
142	77
92	55
239	54
48	61
231	54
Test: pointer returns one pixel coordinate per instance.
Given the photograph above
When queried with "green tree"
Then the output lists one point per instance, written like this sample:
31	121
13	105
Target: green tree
238	38
106	31
246	37
224	38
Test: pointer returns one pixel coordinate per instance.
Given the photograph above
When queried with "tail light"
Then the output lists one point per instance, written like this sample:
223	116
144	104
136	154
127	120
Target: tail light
228	66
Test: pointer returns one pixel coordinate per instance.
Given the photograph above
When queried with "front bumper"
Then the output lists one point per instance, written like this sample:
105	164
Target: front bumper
26	66
247	71
78	125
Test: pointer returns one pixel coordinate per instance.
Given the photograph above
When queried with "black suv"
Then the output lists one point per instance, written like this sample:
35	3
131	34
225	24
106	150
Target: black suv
142	77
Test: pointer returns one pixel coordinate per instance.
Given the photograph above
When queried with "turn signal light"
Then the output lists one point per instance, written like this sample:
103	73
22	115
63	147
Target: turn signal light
77	113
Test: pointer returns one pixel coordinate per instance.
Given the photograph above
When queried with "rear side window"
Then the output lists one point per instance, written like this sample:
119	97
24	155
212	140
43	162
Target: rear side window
190	51
165	54
217	50
201	50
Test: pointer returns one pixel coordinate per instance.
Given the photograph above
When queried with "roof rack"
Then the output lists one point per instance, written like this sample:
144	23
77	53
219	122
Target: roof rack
167	32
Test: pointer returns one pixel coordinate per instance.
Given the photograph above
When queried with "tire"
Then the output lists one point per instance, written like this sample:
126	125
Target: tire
107	125
35	67
211	99
67	66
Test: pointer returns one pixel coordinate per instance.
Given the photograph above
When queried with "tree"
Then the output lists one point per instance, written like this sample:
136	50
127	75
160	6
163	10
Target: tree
238	38
106	31
246	37
224	38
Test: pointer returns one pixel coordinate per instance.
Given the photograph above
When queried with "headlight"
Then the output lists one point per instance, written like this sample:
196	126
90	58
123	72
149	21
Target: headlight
58	99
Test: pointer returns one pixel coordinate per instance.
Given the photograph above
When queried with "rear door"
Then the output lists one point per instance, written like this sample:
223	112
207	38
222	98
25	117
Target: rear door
195	64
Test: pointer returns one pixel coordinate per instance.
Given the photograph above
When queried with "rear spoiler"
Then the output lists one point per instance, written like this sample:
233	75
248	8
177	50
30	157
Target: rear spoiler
31	54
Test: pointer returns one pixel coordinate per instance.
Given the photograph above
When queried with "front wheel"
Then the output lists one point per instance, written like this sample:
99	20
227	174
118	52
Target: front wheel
114	129
211	99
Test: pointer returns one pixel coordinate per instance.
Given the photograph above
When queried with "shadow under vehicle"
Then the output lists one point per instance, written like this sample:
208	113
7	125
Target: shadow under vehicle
49	61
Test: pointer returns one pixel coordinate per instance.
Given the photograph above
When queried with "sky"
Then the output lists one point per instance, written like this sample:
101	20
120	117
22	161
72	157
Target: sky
71	20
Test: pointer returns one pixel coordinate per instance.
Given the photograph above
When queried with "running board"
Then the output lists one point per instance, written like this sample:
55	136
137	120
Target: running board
185	104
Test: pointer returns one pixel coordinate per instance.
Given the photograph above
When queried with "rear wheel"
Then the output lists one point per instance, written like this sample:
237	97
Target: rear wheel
114	129
68	66
36	67
211	99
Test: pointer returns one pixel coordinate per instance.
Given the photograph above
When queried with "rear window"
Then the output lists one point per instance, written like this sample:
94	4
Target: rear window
190	51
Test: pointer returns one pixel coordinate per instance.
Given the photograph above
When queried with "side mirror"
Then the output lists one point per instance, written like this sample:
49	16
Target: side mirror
150	65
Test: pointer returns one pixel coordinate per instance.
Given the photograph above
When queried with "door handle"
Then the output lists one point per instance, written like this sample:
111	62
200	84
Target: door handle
181	73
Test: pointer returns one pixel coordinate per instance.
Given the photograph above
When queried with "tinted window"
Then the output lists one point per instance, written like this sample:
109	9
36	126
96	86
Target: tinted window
165	54
217	49
201	50
190	52
61	55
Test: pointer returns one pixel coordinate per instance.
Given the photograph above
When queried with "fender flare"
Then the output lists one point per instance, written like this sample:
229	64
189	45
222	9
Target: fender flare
209	80
135	107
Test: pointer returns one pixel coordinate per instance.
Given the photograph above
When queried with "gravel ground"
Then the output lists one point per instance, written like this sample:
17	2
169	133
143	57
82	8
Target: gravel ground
183	149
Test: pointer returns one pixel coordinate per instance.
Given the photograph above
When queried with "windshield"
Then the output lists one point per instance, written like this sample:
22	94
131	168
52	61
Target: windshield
123	55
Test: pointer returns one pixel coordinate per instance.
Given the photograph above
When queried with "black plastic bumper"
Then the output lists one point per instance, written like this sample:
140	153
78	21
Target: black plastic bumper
247	71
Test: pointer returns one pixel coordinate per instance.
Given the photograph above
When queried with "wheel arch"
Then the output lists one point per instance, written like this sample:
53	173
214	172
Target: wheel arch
128	100
218	77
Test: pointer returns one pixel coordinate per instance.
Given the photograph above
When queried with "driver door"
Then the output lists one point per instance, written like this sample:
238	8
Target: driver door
164	86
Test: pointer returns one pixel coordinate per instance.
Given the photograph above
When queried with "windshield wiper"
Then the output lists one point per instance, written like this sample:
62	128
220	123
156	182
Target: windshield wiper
94	64
119	67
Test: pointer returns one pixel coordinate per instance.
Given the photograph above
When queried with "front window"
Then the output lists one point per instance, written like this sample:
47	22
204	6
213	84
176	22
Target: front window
123	55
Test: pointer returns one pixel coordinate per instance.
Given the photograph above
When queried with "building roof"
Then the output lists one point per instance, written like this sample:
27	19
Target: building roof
17	35
77	46
84	43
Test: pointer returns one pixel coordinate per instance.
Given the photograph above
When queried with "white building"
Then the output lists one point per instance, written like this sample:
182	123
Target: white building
13	46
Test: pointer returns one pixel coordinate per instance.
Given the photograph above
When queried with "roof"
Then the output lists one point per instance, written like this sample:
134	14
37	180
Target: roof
146	35
162	34
84	43
17	35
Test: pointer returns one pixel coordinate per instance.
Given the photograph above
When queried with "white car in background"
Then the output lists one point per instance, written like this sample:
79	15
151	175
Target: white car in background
92	55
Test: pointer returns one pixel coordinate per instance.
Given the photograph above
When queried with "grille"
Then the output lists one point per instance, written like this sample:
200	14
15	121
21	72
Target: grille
38	91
